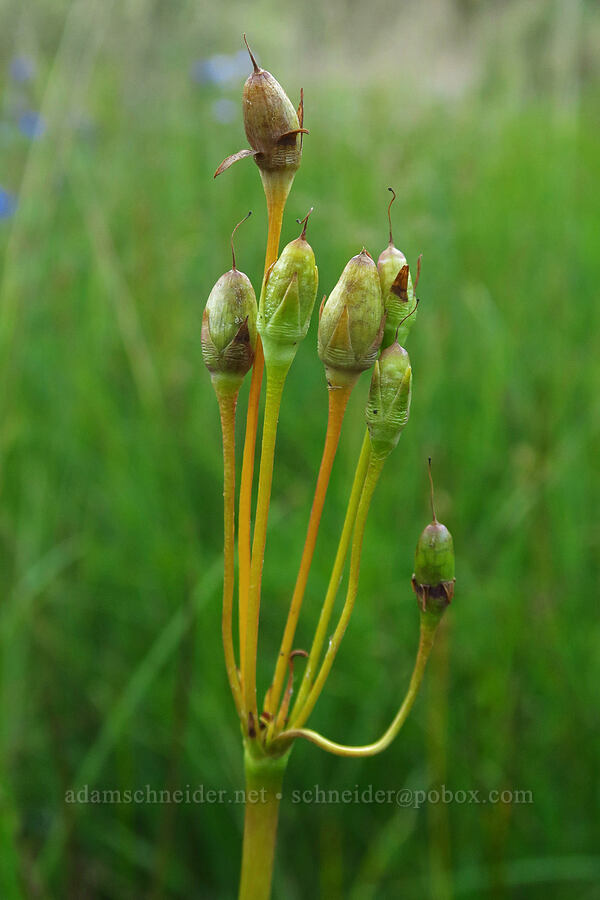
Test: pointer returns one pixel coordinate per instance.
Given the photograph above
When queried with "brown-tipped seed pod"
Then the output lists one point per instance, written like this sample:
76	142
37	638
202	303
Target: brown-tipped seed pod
287	301
397	291
273	127
388	406
433	579
351	322
229	328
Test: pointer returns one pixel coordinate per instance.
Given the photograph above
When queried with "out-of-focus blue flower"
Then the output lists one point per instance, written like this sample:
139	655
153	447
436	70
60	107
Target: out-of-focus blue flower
22	69
224	110
220	69
31	124
8	204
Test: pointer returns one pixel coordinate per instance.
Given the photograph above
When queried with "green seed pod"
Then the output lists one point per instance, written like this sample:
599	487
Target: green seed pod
287	301
388	406
351	322
397	291
229	328
433	579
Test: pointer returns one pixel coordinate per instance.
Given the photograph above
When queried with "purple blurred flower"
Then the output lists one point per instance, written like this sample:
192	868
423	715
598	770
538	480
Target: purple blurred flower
220	69
31	124
224	110
22	69
8	204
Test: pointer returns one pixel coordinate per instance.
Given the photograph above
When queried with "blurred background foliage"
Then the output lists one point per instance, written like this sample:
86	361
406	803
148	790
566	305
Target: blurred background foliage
113	117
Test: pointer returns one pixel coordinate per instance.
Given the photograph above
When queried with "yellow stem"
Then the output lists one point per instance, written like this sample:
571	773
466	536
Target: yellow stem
275	383
371	479
336	574
425	644
338	401
227	407
276	194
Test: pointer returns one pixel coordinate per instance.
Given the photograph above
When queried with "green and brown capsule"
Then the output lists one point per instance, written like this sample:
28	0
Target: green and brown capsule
287	301
351	322
433	579
228	334
388	406
397	290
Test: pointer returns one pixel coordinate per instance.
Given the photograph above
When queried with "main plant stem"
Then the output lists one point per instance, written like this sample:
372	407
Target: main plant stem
336	575
338	401
227	405
264	779
276	192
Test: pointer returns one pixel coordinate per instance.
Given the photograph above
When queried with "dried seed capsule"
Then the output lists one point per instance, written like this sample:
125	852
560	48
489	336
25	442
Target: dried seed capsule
397	290
272	124
351	322
229	328
287	301
433	579
388	406
273	128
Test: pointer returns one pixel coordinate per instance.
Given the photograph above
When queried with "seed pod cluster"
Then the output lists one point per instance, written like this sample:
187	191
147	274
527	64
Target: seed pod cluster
351	322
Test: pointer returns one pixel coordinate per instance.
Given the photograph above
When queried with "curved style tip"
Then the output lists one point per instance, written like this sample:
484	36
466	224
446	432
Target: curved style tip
304	222
390	214
241	222
407	316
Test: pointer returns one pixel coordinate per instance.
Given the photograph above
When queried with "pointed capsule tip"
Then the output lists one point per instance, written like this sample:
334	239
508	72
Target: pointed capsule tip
257	68
431	491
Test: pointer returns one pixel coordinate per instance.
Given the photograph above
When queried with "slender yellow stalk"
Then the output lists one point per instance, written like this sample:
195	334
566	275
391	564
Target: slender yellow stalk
336	574
338	401
425	644
371	479
276	194
275	383
227	407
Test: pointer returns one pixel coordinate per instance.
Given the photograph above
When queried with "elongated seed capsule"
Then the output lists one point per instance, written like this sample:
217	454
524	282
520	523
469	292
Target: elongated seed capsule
351	322
287	301
388	405
433	579
273	126
229	328
397	290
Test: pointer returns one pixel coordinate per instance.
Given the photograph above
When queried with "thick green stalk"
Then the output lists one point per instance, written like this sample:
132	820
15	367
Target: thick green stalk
336	575
371	479
264	779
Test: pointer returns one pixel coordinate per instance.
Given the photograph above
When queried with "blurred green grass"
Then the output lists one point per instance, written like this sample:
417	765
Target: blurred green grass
110	493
